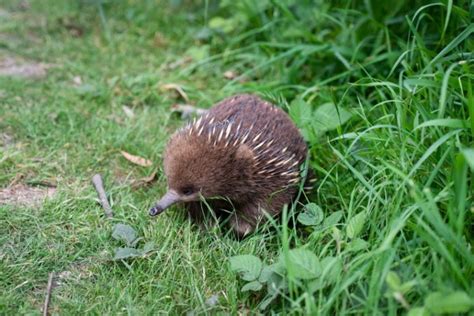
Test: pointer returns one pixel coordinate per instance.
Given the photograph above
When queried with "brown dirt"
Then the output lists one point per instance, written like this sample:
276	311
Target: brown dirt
6	141
16	67
23	195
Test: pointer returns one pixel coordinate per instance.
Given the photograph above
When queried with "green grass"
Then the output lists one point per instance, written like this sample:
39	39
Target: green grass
399	171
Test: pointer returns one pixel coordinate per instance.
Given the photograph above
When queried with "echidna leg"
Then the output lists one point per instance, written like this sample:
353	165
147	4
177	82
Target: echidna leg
245	219
240	226
195	213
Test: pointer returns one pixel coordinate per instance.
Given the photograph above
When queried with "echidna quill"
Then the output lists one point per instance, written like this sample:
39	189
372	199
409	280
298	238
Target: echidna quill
246	151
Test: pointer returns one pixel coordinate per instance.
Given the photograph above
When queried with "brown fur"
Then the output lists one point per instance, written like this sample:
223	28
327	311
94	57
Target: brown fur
244	149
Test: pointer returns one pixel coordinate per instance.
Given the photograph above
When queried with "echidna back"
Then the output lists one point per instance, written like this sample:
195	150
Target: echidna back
259	117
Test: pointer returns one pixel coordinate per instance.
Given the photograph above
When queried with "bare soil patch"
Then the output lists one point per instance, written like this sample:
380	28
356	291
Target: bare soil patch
6	141
23	195
16	67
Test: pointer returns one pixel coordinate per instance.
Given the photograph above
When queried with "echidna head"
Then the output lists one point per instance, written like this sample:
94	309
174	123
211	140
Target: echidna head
197	169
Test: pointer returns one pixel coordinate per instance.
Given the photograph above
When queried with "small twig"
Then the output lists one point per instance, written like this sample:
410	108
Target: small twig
48	294
99	187
187	110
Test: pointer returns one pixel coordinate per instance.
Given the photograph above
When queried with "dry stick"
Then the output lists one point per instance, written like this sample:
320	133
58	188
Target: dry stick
188	111
99	187
48	294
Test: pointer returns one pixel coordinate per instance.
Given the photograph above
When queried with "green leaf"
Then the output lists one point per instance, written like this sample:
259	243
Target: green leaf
312	216
203	34
268	299
328	117
301	113
292	32
305	265
332	219
198	53
124	233
331	268
149	246
355	225
468	154
125	253
89	90
315	285
276	283
418	311
393	281
357	244
278	267
252	286
449	303
336	234
406	287
248	266
224	25
266	274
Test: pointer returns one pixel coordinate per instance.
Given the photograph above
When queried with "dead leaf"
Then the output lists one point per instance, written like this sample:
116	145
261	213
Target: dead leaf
145	181
76	271
177	88
77	81
179	63
136	159
187	110
128	111
16	180
159	40
74	30
230	75
71	25
24	195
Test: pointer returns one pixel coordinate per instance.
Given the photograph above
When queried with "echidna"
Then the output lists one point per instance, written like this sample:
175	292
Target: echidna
245	150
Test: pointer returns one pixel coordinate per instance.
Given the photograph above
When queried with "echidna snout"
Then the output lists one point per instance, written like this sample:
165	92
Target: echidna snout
170	198
244	150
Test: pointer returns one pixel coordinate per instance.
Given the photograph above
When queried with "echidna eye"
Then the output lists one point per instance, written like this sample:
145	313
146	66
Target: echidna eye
187	190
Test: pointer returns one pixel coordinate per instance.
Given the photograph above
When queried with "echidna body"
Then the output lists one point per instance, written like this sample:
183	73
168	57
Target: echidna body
244	150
